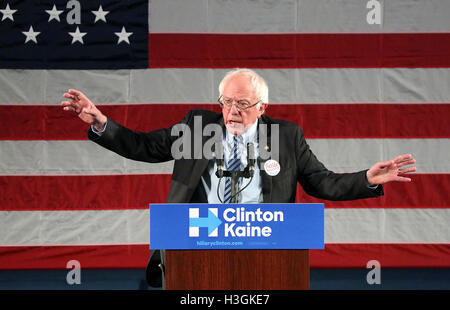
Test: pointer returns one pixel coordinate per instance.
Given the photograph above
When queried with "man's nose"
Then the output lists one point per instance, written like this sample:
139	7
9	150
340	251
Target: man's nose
233	109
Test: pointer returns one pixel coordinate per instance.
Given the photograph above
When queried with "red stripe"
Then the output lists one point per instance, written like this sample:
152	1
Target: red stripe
52	123
389	255
89	256
317	120
398	194
137	191
136	256
318	50
82	192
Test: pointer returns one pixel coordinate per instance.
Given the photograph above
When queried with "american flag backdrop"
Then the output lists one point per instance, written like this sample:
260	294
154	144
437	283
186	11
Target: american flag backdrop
362	92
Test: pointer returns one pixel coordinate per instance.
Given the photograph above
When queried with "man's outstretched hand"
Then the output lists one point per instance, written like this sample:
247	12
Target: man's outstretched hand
84	109
391	170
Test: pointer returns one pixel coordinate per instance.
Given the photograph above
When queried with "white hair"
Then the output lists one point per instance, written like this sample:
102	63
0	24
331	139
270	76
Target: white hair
260	86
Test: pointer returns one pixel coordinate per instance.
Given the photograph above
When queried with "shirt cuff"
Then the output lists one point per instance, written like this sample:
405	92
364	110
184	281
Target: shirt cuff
99	133
372	187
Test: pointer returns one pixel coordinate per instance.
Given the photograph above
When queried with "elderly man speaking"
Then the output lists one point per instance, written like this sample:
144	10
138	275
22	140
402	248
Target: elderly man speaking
243	100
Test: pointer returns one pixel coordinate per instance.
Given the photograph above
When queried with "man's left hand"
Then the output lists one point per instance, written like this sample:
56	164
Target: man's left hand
390	171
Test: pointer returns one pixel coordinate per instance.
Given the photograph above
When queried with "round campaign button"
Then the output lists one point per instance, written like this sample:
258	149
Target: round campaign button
272	167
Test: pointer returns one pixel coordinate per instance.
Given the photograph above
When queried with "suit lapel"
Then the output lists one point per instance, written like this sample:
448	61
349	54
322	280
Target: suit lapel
201	164
266	180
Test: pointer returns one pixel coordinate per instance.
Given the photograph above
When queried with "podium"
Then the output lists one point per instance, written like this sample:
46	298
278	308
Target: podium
237	270
236	247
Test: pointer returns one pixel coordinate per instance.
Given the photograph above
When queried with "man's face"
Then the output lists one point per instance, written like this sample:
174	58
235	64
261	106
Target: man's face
239	87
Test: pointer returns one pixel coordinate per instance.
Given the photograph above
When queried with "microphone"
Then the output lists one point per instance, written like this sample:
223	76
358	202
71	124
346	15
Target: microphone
251	158
219	159
220	165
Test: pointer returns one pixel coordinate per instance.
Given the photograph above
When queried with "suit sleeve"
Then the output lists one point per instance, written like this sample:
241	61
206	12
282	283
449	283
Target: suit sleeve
322	183
154	146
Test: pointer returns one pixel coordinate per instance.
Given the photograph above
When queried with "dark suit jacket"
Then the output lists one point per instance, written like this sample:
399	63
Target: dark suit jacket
298	163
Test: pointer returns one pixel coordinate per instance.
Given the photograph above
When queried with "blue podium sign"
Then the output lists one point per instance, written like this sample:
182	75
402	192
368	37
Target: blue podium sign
236	226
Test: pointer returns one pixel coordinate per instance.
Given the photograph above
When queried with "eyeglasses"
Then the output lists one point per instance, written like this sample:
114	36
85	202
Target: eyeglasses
241	105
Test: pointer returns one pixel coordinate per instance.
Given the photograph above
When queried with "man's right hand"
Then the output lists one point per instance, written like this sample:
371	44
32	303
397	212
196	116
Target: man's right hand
84	108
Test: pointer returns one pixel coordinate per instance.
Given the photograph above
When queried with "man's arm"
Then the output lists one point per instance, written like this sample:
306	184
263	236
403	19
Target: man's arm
320	182
154	146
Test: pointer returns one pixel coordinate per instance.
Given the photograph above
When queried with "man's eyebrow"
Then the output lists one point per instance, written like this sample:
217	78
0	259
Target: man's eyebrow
246	99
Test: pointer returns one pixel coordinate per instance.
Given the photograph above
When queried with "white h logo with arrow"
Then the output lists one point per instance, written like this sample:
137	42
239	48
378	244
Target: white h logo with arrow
212	222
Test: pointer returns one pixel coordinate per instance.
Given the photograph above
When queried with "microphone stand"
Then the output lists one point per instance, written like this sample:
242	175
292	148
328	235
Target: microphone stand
234	178
235	175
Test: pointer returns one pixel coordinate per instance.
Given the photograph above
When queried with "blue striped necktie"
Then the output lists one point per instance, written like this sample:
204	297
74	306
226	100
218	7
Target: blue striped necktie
233	164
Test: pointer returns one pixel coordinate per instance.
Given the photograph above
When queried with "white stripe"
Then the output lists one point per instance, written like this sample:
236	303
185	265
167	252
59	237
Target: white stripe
69	158
132	226
379	85
348	155
387	226
74	227
295	16
87	158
